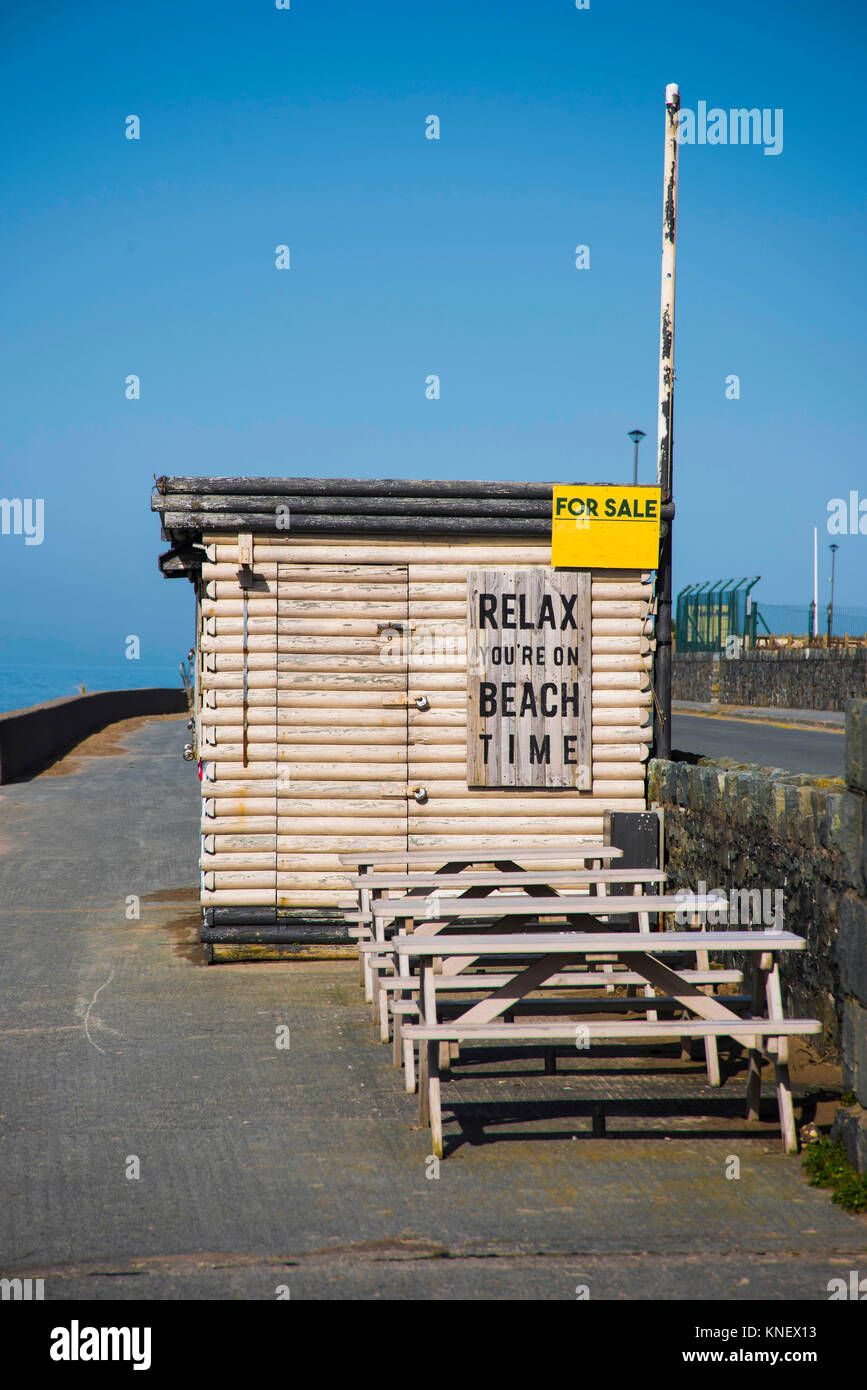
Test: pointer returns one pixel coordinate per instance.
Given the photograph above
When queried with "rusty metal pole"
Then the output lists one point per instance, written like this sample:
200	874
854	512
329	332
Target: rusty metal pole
664	472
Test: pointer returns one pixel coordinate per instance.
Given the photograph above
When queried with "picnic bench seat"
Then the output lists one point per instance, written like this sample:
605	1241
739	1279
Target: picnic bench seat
405	1011
452	984
765	1036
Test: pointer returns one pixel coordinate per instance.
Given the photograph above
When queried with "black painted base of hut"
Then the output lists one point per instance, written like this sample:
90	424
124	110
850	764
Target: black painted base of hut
289	933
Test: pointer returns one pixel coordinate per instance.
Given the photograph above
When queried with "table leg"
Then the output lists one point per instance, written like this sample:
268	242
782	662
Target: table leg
364	907
371	992
396	1043
384	1032
445	1055
434	1108
754	1064
649	993
424	1052
711	1048
781	1064
427	1052
409	1064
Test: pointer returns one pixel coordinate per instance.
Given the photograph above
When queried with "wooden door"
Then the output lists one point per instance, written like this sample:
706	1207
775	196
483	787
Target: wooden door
341	722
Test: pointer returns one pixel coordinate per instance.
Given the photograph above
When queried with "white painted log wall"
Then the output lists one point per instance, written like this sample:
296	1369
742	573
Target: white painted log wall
332	745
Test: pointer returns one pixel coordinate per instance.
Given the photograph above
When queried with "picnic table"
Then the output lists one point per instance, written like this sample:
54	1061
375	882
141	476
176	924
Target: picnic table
544	955
451	863
426	919
504	933
475	895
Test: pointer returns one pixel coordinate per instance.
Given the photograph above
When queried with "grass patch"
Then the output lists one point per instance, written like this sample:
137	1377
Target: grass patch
826	1165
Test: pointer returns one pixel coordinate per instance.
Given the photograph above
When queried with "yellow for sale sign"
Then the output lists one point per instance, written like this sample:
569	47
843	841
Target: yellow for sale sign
606	527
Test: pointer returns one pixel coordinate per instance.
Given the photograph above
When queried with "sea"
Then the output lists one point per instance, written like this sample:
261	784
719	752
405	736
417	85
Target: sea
24	685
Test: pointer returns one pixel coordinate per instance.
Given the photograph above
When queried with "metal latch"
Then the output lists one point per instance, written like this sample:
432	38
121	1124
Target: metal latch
418	794
421	702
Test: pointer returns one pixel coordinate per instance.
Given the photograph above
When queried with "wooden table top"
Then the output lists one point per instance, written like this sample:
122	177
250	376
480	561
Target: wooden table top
579	943
514	904
508	879
470	855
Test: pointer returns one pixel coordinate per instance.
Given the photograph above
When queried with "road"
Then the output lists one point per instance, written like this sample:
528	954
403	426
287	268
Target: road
818	751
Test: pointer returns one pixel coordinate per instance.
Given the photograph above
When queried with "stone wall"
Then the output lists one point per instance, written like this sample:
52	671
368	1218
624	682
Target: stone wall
739	827
809	678
692	676
851	1123
803	678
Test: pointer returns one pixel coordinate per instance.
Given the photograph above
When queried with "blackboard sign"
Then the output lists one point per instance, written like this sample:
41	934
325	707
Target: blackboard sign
528	678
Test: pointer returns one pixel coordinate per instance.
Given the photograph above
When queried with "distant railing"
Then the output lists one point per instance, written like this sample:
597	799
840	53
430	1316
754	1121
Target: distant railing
795	620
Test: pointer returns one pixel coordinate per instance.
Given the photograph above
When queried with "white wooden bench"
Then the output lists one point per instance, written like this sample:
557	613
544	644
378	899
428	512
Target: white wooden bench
457	863
585	909
405	1008
429	914
475	888
764	1035
589	909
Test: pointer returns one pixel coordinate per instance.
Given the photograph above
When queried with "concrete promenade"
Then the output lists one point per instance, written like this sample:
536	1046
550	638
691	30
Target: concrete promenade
261	1167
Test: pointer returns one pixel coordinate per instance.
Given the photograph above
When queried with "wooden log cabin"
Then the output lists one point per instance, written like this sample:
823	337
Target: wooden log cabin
383	665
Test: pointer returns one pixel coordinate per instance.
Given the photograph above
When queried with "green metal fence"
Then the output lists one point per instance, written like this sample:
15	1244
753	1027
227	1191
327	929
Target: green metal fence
798	619
707	615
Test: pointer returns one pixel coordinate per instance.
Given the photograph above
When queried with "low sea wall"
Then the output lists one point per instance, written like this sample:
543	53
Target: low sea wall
31	737
693	676
801	678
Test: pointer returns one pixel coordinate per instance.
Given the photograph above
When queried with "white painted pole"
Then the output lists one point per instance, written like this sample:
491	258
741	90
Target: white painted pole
666	332
664	472
815	580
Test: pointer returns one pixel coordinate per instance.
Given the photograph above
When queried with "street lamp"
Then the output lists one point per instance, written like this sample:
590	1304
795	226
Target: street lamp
833	549
636	436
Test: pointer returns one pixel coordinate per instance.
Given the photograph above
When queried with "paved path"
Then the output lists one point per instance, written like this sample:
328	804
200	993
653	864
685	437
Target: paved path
261	1168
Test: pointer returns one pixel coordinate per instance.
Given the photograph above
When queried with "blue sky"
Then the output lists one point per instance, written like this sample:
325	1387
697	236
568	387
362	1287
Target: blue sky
410	257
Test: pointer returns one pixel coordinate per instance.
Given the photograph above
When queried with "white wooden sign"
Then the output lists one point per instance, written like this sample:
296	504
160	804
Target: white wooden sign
528	678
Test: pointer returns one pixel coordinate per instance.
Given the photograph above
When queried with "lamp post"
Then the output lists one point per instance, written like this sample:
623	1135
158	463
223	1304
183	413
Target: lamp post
636	436
833	549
